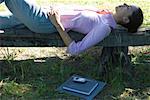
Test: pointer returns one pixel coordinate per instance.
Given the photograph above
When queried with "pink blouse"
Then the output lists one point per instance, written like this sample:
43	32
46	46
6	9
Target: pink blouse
95	26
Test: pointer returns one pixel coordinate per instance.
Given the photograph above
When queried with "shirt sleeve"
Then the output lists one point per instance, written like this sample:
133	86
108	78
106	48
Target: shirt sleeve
96	35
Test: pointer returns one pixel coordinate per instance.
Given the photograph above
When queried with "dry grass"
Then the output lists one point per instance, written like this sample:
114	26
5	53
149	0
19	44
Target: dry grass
23	53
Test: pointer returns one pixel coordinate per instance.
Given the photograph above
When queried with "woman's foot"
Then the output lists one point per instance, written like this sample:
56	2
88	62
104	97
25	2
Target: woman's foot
1	1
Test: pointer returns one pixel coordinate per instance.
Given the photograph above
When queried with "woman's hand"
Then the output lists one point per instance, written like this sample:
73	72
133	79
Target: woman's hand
54	17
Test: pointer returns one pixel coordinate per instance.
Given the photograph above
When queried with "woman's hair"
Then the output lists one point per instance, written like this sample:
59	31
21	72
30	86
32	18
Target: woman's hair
136	19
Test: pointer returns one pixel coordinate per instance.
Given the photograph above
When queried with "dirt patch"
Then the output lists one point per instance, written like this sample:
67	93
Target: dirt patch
22	53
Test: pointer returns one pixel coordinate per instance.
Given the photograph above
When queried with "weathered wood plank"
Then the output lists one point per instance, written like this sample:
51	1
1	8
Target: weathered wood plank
24	38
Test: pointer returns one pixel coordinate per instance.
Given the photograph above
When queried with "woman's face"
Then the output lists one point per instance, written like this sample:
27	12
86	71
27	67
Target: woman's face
124	11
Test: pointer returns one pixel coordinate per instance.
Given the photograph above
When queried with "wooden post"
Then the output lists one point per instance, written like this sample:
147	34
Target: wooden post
114	56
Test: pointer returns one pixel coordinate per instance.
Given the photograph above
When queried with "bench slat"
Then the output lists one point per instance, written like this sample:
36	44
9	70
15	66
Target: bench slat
26	38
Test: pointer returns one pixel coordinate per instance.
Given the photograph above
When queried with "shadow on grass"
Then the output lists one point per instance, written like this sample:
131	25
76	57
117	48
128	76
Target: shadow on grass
38	79
42	76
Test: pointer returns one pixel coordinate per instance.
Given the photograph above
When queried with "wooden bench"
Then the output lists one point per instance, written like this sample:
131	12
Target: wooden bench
115	45
18	37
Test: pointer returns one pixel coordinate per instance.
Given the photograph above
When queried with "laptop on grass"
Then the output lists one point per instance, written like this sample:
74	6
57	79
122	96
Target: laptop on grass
82	87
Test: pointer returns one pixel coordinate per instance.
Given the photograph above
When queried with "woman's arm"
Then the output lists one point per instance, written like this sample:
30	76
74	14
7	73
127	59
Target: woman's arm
96	35
55	19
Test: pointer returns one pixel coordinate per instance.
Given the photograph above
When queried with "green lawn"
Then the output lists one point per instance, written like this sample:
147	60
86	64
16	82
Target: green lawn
102	4
31	80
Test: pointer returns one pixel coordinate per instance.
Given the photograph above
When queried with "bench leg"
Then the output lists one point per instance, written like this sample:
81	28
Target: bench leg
114	56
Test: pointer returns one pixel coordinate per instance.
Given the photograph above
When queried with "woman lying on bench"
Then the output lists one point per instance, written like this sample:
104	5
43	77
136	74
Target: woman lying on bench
94	23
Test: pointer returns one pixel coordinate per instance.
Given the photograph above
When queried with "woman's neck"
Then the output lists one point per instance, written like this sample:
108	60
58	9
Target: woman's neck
117	19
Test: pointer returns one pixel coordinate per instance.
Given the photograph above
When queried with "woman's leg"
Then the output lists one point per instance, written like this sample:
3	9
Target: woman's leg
7	20
31	15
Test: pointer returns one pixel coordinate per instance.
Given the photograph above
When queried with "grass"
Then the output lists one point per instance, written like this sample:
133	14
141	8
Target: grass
38	78
35	74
